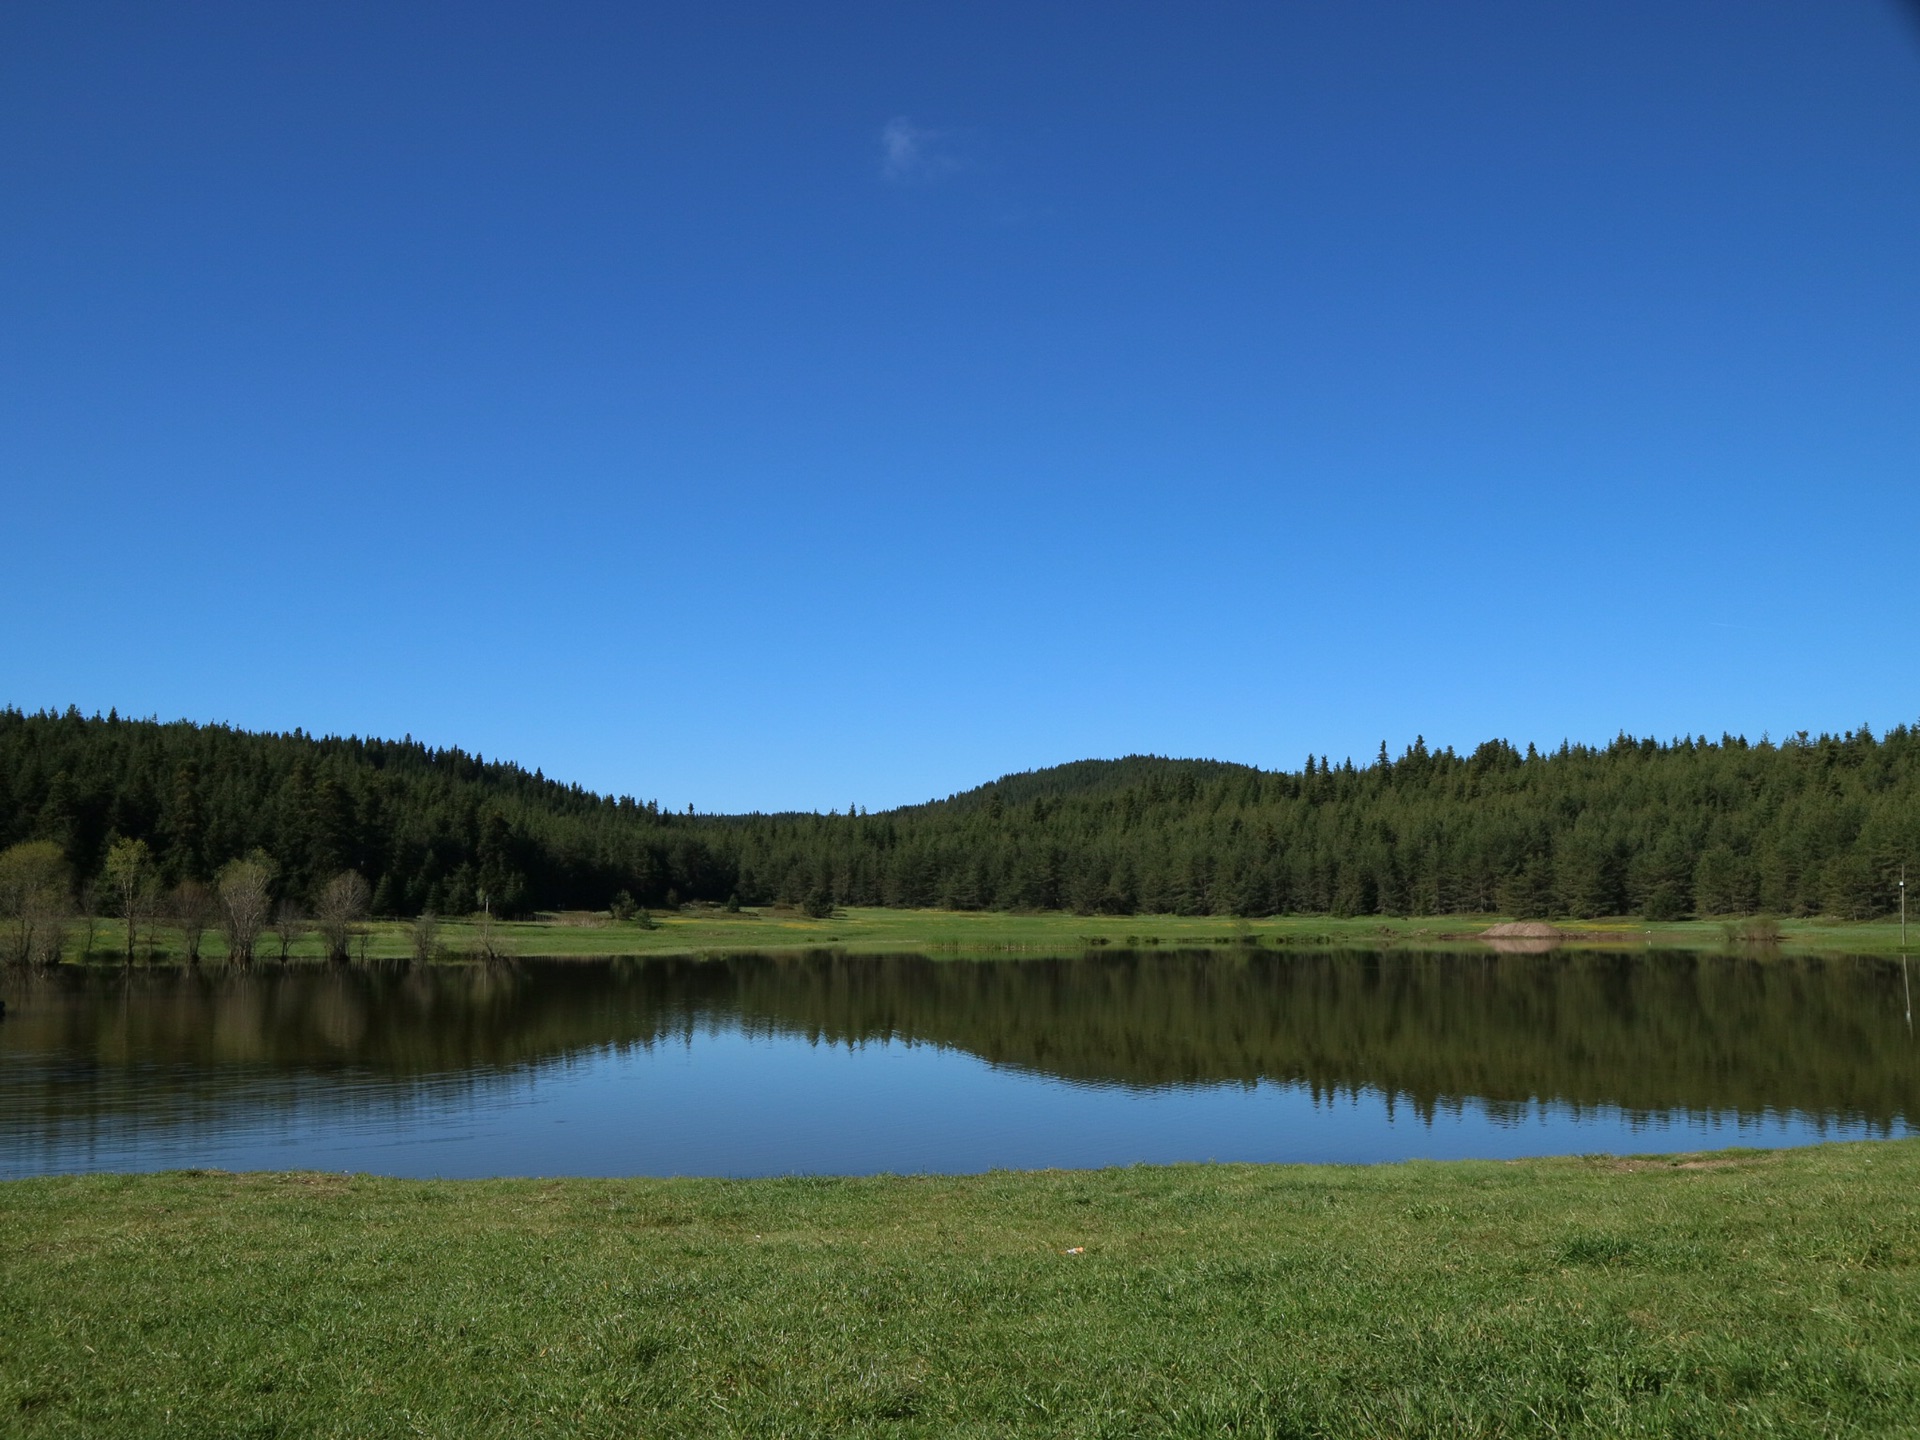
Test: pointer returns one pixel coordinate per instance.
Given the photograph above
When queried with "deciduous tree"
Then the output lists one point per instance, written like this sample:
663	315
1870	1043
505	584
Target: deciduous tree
341	907
193	909
288	926
34	901
129	874
245	889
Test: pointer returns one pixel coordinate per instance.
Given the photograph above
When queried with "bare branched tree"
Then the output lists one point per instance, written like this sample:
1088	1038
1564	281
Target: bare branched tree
193	908
89	916
48	929
129	874
486	937
245	903
34	901
288	926
343	904
425	935
152	903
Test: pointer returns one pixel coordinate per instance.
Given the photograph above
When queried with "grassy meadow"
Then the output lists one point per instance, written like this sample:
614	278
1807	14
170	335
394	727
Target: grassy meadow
709	928
1740	1293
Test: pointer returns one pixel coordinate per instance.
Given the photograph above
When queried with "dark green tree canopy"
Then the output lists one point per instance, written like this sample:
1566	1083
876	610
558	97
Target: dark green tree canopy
1690	826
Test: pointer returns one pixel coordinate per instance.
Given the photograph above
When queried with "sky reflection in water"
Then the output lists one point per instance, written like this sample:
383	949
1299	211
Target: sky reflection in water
827	1064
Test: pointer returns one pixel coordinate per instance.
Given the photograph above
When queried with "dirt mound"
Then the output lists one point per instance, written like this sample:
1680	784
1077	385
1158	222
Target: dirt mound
1523	937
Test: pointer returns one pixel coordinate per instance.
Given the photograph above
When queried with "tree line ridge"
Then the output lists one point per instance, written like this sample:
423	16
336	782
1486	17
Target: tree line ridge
1807	825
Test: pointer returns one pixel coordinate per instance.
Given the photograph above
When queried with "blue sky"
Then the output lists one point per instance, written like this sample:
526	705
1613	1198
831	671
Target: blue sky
782	406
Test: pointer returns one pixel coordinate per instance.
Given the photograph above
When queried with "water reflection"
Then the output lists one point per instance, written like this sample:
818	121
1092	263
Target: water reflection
137	1069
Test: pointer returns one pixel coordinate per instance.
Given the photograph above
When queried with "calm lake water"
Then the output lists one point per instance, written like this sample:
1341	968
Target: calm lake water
758	1065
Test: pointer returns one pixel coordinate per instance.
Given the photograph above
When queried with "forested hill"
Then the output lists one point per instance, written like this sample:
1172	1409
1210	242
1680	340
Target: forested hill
1088	777
1663	829
428	829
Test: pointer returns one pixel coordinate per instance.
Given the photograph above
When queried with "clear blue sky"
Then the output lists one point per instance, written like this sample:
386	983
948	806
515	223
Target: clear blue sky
788	405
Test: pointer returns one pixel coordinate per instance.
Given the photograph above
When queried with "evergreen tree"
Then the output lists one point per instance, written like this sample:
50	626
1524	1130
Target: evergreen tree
1634	826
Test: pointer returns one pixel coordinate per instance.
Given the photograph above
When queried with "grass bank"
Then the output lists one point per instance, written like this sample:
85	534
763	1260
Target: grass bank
699	929
1735	1294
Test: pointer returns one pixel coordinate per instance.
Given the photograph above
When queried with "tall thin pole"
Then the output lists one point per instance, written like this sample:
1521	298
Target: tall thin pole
1905	985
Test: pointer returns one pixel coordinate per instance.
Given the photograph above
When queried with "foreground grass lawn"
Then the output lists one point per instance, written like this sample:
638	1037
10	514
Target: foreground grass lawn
1733	1294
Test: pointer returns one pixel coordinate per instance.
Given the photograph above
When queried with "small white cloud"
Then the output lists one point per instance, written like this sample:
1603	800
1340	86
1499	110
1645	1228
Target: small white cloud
909	152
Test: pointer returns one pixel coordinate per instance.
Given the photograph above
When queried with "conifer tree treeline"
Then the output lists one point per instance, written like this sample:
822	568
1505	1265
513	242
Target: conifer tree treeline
428	829
1809	825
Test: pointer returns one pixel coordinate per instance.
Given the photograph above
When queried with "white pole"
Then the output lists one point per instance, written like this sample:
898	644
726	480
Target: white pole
1905	984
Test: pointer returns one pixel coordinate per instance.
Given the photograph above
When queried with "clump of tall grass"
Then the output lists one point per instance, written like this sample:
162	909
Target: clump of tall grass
1754	930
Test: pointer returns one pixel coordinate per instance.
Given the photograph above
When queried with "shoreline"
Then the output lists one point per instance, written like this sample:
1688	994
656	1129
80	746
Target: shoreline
711	930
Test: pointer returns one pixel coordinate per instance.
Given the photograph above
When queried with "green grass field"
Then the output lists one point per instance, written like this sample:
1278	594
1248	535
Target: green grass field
697	929
1733	1294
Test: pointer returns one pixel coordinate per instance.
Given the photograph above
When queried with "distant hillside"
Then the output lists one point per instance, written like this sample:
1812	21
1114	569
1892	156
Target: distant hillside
1087	777
1807	826
1635	827
428	829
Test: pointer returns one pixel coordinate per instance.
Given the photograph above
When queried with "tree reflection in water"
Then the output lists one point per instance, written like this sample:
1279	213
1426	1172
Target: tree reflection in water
1647	1034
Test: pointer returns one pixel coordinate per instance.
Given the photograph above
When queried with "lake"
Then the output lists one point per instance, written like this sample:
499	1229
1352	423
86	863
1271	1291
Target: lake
834	1064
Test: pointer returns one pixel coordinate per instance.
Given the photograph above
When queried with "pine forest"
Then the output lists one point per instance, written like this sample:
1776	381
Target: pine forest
1806	825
